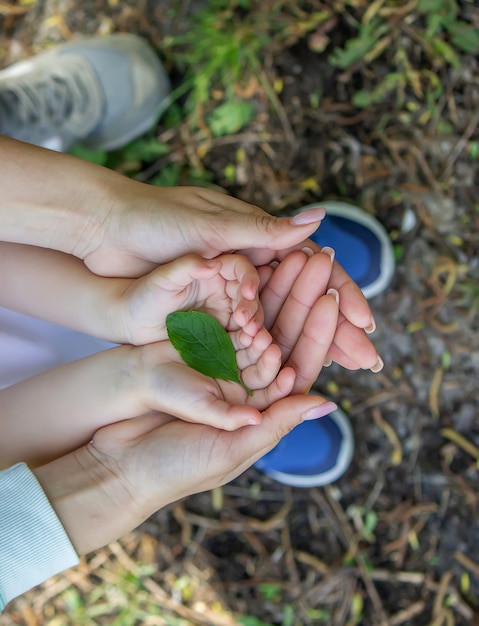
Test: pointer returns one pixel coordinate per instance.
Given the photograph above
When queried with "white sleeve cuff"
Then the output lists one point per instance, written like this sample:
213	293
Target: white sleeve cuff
33	544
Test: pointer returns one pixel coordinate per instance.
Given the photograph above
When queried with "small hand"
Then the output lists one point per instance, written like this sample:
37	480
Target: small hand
169	385
225	287
175	388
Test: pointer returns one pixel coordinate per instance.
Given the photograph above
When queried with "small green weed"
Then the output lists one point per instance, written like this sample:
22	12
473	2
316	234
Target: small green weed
419	41
223	50
250	620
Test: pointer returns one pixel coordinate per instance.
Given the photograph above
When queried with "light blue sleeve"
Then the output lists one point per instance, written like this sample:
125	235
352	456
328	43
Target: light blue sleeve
33	544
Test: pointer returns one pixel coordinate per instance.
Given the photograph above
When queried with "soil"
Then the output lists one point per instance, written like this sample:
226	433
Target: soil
396	539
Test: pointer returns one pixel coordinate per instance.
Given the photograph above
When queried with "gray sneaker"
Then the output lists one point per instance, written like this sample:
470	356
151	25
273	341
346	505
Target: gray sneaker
102	92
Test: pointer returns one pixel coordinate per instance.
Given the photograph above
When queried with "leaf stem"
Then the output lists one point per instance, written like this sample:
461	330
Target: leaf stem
245	387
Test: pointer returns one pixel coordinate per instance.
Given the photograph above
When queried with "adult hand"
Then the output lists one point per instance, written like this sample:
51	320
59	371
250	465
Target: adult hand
121	227
291	295
133	468
146	226
150	225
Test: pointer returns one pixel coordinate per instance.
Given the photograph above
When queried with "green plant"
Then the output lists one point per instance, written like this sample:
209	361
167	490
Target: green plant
417	41
223	50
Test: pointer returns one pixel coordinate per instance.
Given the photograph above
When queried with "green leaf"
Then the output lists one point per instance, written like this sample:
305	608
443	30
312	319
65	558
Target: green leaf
356	48
204	345
230	117
144	149
464	36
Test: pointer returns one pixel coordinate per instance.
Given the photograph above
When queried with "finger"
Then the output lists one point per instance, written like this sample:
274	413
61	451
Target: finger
250	355
262	373
237	267
280	387
311	284
311	349
183	271
277	289
260	235
354	305
352	348
248	315
279	419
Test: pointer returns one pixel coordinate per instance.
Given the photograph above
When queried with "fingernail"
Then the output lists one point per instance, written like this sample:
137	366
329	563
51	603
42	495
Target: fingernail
327	363
333	292
320	411
308	217
378	367
371	328
329	251
308	251
252	422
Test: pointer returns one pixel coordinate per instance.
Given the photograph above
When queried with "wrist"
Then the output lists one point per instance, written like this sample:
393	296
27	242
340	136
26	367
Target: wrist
88	498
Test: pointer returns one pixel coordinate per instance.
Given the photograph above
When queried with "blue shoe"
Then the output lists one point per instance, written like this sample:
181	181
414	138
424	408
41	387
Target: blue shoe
361	244
318	452
315	453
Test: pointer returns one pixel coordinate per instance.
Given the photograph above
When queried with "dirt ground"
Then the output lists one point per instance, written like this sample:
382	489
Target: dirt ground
396	540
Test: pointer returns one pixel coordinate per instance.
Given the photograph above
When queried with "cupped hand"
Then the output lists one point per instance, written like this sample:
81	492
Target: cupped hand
147	226
290	293
133	468
225	287
171	386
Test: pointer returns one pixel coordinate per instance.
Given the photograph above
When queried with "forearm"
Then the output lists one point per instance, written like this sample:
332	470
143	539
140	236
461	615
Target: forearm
51	199
52	413
59	288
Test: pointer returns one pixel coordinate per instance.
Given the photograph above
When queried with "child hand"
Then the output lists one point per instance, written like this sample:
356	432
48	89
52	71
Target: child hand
127	382
173	387
225	287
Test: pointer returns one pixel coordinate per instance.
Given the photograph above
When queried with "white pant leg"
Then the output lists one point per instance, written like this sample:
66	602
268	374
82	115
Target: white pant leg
29	346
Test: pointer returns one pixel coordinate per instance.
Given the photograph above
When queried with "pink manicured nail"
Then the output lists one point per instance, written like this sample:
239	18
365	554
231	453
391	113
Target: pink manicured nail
308	217
371	328
378	367
333	292
329	251
320	411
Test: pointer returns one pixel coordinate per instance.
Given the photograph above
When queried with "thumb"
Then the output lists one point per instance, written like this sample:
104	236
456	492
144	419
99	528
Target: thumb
270	233
278	420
